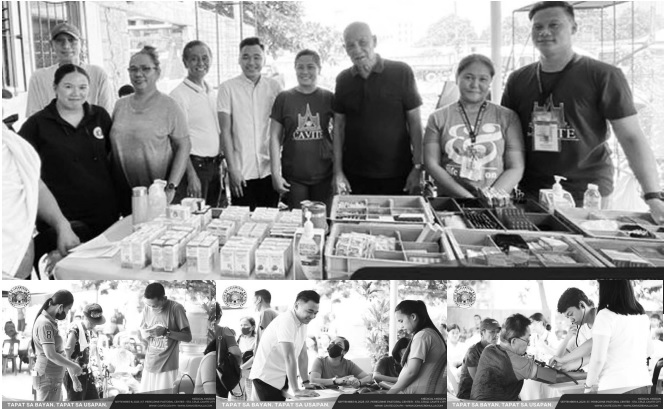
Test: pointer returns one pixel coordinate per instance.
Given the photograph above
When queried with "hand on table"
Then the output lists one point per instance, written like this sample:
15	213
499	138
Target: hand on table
304	393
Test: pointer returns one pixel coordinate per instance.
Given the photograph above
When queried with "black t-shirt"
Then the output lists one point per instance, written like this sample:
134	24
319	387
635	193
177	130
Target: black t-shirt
377	142
75	163
307	143
589	94
471	360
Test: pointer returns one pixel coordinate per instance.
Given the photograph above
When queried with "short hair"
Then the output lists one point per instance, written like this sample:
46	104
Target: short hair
515	326
473	58
571	298
264	294
312	53
451	327
251	41
540	318
477	315
308	295
542	5
126	90
399	346
152	53
344	341
154	290
654	315
66	69
192	44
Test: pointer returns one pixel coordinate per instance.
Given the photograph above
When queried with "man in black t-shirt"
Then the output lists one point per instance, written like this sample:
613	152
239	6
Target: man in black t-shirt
489	330
377	133
565	103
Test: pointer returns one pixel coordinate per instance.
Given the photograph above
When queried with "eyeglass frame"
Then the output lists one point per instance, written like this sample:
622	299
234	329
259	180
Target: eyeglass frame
145	70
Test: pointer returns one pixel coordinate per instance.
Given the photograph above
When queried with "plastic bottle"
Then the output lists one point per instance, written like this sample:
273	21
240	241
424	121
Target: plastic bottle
309	248
592	198
140	205
157	199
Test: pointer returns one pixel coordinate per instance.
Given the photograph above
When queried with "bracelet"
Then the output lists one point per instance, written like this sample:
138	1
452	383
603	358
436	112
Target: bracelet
304	382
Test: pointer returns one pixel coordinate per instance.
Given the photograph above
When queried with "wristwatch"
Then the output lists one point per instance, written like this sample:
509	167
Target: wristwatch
170	186
418	166
654	195
334	380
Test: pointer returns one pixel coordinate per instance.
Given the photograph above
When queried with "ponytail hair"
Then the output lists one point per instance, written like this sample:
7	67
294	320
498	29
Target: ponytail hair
418	308
539	317
63	297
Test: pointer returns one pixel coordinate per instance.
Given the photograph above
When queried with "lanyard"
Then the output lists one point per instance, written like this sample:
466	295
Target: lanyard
544	94
478	122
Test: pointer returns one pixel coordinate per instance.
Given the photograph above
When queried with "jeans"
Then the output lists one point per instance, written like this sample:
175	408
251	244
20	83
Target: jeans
318	192
48	389
258	193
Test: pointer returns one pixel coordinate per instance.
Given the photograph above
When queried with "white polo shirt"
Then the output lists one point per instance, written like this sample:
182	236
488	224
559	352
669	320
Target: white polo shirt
250	106
199	105
269	365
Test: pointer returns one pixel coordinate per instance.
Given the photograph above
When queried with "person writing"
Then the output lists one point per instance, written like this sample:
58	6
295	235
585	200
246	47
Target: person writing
473	143
388	368
335	369
425	352
47	345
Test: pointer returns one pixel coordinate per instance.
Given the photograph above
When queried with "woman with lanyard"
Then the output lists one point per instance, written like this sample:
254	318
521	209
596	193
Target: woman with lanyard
47	344
473	144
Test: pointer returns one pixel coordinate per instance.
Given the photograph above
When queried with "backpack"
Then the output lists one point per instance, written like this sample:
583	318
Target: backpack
227	367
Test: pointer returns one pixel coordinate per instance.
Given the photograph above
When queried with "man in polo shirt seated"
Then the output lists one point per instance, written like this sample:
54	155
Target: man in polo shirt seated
282	352
502	368
489	330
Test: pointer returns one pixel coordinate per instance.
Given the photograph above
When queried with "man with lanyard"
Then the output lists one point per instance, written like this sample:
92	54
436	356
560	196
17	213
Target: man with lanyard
565	102
574	352
79	349
198	100
377	136
489	329
503	368
282	352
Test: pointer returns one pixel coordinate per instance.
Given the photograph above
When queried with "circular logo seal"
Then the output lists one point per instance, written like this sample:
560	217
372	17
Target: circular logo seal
19	296
464	296
234	296
97	132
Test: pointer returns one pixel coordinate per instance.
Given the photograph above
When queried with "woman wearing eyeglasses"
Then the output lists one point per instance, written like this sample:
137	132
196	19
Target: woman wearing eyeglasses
149	132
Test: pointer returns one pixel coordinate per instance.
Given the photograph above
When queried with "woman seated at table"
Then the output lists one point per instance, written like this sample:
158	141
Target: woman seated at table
474	144
621	342
543	342
335	369
72	139
149	133
426	353
388	368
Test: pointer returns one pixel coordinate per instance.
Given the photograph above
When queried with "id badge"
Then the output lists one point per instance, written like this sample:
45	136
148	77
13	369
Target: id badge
545	133
472	168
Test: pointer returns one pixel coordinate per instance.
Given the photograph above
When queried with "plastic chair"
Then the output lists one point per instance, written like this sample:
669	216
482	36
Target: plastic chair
10	352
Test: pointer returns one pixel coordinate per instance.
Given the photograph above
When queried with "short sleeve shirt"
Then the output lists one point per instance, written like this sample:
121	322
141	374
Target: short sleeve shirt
471	360
429	347
346	368
199	106
163	352
377	142
249	106
141	138
447	128
269	365
82	357
307	119
206	372
45	331
387	367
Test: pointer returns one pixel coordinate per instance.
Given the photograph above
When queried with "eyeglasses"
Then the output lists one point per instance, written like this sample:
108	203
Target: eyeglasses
145	70
526	341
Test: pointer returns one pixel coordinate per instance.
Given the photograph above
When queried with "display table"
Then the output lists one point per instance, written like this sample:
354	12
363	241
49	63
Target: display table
325	395
534	390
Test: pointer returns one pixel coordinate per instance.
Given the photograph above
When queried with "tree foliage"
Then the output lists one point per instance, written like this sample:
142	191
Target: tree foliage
451	30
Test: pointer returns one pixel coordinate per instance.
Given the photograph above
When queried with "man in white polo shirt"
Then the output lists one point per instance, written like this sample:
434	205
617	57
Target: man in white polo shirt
198	100
244	105
282	353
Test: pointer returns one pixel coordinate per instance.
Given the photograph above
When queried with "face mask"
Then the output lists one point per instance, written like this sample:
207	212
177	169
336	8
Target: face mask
61	315
246	331
335	351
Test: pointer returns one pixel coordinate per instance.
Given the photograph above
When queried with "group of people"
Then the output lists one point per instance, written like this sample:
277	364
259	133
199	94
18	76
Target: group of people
610	341
69	360
310	143
277	363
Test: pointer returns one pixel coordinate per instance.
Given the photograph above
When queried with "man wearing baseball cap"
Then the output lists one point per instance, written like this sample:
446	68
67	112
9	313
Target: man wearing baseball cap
78	348
489	330
66	44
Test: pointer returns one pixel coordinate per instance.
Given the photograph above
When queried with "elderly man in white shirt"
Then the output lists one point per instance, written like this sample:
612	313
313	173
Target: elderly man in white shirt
282	353
198	100
244	105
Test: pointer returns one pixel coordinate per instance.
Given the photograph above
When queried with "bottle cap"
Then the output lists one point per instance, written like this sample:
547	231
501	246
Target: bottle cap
139	191
309	226
592	186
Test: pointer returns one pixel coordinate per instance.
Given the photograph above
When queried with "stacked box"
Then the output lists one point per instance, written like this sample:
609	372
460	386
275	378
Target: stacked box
265	214
238	214
136	248
273	258
256	230
222	229
178	212
207	252
238	256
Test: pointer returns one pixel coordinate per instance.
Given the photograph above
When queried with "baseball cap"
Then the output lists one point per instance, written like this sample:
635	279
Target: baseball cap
94	313
65	28
489	324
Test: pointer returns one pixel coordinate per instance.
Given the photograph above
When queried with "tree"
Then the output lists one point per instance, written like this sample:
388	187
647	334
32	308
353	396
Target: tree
327	41
278	23
451	30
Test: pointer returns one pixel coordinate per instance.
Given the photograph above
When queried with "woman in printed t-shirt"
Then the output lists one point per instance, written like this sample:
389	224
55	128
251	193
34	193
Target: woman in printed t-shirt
473	144
335	369
47	344
300	139
426	352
